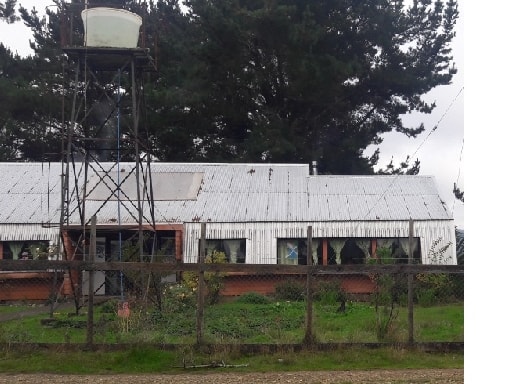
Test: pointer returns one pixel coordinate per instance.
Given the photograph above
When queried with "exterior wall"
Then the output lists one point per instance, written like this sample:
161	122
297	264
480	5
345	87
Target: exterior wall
15	286
29	232
236	285
261	238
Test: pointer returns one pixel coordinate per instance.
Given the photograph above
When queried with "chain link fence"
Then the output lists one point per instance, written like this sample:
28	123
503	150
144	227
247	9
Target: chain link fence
218	303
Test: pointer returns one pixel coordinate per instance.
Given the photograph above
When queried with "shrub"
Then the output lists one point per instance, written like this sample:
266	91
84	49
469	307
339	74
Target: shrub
329	292
253	298
386	298
290	290
179	297
214	280
109	306
426	297
433	288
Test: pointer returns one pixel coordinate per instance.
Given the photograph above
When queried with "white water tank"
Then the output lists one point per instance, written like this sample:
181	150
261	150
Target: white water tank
110	27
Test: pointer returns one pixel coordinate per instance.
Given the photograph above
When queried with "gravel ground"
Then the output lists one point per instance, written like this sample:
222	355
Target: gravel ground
434	376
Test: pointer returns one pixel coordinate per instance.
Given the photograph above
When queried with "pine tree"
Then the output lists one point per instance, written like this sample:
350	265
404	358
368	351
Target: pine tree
256	80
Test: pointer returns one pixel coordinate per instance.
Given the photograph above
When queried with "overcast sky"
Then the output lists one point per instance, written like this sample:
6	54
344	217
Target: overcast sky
440	151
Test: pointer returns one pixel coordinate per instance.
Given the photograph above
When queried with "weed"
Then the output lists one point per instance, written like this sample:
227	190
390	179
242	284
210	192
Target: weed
253	298
290	290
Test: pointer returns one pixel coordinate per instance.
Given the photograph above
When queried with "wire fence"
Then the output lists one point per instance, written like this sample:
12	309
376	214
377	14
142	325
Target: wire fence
76	302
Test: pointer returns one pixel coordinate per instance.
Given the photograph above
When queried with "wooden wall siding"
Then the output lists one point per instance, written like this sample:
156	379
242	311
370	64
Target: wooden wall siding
261	246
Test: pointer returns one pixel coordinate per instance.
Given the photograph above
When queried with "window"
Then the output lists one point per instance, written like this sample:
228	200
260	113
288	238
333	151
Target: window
397	249
6	251
355	250
166	249
350	250
292	251
234	249
27	250
324	251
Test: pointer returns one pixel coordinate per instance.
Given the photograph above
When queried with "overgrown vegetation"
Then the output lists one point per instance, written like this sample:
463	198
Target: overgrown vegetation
389	293
252	318
213	280
290	289
430	289
438	288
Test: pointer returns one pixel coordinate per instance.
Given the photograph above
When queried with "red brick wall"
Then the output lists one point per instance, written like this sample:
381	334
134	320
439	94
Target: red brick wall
266	285
19	286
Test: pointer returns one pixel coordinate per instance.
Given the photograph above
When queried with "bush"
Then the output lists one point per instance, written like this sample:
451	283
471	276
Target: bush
458	286
179	297
291	290
214	280
329	292
253	298
434	288
426	297
109	306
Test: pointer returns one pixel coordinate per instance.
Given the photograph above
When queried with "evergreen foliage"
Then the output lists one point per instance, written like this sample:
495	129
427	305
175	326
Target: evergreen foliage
248	81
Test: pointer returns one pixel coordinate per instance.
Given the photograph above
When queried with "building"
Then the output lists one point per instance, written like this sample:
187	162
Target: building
254	213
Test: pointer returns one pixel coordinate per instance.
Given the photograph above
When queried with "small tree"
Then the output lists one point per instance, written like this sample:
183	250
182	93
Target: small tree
386	298
214	280
434	287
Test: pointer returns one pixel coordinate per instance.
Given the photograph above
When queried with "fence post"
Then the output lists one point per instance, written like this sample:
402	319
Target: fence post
90	300
410	292
308	338
201	286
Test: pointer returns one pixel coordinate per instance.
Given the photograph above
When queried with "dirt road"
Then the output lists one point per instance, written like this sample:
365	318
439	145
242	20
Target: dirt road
414	376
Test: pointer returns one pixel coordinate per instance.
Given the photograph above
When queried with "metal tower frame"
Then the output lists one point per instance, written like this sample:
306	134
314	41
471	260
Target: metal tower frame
92	66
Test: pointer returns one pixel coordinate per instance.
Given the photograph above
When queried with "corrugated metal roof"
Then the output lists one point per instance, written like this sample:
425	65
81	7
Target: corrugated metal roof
30	193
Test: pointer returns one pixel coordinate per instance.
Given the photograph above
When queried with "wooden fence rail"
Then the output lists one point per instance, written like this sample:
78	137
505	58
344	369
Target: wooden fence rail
263	269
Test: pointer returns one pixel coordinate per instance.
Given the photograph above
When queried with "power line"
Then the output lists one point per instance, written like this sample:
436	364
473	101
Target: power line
438	122
416	151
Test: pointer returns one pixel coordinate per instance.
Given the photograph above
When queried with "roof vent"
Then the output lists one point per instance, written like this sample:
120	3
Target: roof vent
314	170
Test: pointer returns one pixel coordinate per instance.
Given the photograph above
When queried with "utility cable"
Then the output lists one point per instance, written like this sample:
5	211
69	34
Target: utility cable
393	180
416	151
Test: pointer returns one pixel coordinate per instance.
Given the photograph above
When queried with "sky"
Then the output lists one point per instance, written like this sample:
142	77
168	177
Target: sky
440	150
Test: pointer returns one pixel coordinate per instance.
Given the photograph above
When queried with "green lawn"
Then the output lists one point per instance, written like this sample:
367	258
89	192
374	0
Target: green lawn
151	360
236	322
14	308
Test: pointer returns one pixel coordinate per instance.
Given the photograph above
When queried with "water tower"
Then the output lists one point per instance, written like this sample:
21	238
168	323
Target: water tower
106	157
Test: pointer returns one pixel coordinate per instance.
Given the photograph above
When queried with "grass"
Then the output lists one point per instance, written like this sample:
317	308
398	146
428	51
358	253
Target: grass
275	322
6	309
436	323
238	322
151	360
